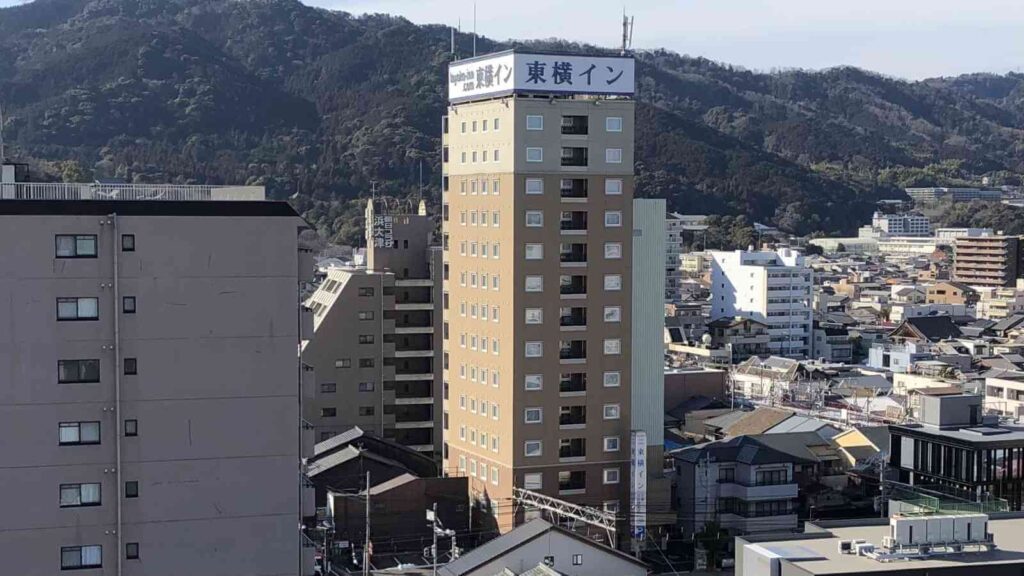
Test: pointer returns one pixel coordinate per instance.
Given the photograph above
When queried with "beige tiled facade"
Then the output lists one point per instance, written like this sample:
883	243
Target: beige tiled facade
525	362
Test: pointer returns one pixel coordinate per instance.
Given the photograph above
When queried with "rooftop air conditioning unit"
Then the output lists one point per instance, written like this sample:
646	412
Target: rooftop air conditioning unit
845	547
864	548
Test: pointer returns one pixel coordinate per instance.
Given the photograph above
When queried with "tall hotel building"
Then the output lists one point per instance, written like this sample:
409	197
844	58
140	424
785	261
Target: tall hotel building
537	221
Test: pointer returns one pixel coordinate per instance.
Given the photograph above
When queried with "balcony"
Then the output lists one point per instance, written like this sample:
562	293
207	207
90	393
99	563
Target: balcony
754	491
574	157
575	125
573	253
571	417
573	189
572	351
572	450
574	222
572	286
572	318
571	483
572	384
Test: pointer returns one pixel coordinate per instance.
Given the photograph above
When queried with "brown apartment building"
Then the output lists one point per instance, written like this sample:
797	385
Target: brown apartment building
987	260
375	350
151	397
537	213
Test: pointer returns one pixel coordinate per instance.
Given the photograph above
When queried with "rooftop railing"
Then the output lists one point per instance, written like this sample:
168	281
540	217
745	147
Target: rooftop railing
101	191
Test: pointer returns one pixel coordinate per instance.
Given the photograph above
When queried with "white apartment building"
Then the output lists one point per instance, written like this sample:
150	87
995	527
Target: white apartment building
675	226
906	224
770	287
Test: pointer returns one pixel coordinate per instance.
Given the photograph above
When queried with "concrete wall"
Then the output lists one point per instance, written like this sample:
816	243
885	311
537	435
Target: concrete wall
215	397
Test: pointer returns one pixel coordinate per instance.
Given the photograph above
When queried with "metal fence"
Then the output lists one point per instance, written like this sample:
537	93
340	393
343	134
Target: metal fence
99	191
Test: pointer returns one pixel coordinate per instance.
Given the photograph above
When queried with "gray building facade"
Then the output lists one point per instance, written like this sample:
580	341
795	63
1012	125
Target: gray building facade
152	384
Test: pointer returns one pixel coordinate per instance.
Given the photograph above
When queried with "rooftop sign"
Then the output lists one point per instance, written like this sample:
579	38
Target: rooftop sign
536	73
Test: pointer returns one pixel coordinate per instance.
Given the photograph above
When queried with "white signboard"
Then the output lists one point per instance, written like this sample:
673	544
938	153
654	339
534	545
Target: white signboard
383	232
508	72
638	486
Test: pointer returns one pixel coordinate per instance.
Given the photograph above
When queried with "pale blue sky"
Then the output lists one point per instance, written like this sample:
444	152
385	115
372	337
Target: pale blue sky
907	38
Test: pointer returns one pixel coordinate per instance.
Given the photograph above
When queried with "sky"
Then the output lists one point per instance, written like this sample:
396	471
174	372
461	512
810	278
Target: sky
905	38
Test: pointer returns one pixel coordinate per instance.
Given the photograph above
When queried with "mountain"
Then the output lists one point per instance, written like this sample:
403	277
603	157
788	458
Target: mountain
320	106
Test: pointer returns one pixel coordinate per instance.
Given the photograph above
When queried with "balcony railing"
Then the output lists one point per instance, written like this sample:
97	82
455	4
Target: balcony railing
97	191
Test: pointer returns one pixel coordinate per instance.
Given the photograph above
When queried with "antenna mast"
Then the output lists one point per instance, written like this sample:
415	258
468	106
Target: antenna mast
3	157
627	32
474	29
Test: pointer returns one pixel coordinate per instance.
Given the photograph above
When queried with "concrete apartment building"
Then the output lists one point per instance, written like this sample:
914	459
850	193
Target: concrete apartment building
987	260
906	224
770	287
376	349
934	194
151	381
538	199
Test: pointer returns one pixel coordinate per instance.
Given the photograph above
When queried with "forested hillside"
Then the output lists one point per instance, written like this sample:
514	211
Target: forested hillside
317	105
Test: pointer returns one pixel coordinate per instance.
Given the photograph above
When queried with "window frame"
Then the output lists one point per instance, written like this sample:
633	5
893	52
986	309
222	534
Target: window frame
75	239
127	242
81	565
608	124
78	309
77	486
78	426
538	122
80	379
538	410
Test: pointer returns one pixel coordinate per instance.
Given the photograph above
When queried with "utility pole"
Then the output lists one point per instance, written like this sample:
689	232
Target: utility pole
433	547
366	543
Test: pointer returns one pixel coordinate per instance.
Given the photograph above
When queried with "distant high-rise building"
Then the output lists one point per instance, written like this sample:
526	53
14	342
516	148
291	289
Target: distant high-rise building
770	287
987	260
376	346
906	224
151	398
538	192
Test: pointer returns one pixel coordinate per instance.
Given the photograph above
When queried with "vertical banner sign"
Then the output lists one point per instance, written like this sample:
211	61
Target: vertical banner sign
638	486
383	232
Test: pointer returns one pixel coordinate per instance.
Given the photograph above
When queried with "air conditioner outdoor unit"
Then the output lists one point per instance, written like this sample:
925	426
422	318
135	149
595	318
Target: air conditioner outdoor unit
845	547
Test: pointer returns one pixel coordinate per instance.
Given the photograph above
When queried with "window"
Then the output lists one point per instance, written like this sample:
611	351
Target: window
78	308
128	304
496	124
131	489
534	219
577	559
366	410
131	366
613	124
612	314
131	427
76	557
495	186
483	126
612	282
613	155
613	219
533	448
533	415
472	467
770	477
494	254
612	380
328	412
131	551
366	315
343	363
534	382
534	315
77	495
75	246
611	475
366	338
462	160
612	250
534	186
474	125
463	127
533	481
78	433
534	251
495	154
78	371
494	475
611	411
613	186
483	158
534	122
611	443
366	362
534	349
534	154
474	161
366	386
366	291
612	346
534	283
127	242
726	474
462	463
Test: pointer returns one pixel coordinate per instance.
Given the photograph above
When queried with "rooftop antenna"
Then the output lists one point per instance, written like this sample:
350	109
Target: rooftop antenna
474	29
627	32
3	157
453	42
